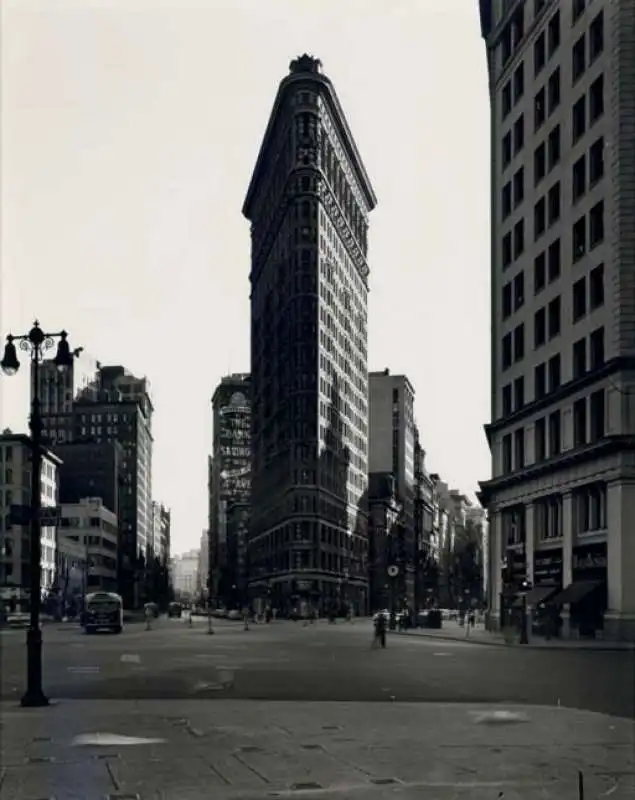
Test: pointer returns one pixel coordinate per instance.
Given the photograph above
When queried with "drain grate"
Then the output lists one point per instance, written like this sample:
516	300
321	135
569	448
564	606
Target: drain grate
311	747
124	796
384	781
331	727
250	748
40	760
303	787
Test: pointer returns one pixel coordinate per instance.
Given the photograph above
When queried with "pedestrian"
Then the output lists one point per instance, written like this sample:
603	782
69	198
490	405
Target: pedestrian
380	631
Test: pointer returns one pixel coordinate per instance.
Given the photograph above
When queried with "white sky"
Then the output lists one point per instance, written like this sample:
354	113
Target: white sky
129	132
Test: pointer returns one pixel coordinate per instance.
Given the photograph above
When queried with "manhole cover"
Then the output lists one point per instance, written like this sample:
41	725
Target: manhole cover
303	787
250	748
311	747
331	727
384	781
40	759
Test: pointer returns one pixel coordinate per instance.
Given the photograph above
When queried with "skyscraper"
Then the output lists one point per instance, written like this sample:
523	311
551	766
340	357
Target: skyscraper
308	204
562	498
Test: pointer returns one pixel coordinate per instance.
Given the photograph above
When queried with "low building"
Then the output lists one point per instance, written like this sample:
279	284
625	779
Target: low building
93	527
15	490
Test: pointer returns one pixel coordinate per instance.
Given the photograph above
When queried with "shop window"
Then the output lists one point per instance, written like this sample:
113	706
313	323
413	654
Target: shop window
589	509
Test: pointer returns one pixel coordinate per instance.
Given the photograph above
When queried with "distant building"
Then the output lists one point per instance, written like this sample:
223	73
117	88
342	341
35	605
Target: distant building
184	573
15	489
93	527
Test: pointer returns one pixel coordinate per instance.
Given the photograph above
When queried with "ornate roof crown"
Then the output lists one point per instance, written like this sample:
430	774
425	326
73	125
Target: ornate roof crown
305	63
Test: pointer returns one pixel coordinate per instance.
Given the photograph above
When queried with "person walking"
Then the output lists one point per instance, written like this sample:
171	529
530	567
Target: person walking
380	631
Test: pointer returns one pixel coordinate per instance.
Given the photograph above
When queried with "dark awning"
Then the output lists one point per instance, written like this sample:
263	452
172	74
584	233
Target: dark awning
539	594
575	592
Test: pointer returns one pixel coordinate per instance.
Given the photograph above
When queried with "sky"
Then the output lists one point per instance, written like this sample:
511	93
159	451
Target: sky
130	129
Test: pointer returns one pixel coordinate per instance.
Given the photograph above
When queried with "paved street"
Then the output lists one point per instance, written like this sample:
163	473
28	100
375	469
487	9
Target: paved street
457	720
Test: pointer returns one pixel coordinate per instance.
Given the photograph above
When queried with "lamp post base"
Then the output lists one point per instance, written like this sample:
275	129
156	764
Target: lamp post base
34	697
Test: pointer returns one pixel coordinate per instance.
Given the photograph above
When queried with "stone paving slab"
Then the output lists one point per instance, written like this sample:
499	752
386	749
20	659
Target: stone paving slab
239	750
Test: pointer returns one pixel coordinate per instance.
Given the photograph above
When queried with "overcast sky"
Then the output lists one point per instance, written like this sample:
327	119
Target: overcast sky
129	132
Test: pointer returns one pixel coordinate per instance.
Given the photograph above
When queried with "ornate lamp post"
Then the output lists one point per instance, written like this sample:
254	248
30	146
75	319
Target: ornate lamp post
35	343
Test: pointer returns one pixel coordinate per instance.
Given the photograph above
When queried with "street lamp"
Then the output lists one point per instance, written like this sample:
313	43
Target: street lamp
36	342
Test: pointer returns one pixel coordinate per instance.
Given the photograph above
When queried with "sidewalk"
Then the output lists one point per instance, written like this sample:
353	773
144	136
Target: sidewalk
478	635
242	750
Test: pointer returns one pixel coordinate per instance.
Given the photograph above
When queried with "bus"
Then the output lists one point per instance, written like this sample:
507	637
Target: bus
103	611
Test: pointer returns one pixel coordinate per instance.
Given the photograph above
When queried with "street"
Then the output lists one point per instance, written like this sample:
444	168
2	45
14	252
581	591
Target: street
286	661
423	718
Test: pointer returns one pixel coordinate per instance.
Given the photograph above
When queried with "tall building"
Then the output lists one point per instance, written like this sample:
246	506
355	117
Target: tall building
562	496
229	479
184	570
392	449
93	526
116	407
308	203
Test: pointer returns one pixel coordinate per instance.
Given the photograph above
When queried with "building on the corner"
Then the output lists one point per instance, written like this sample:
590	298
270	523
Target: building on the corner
561	499
391	443
15	490
184	571
425	536
308	203
229	480
93	527
384	513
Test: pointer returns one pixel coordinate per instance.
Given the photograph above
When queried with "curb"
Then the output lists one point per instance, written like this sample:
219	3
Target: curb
610	648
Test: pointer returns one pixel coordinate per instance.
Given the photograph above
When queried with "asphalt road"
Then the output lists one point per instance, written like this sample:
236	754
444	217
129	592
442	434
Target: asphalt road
286	661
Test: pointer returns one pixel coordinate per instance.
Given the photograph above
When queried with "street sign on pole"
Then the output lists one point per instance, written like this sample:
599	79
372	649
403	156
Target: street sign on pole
50	516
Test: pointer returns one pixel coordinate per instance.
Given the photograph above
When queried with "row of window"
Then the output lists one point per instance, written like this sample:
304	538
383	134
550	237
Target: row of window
589	426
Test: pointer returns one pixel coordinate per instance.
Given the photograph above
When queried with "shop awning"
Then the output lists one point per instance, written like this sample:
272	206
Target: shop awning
539	594
575	592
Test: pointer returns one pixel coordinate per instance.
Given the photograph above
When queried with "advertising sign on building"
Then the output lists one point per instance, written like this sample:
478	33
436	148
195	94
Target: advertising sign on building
548	567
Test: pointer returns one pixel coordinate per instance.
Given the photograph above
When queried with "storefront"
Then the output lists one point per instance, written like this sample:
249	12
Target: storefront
586	595
547	583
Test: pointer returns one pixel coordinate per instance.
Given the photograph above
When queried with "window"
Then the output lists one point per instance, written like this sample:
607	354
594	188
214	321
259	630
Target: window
589	508
507	300
596	99
540	109
507	400
596	36
596	287
519	134
554	373
553	33
507	454
579	299
553	90
596	225
540	218
506	200
519	342
540	163
577	10
540	382
578	58
579	178
598	412
519	187
579	422
519	238
540	53
554	147
579	358
554	260
519	448
507	99
553	316
555	434
507	351
578	123
553	203
519	82
506	148
519	291
507	250
596	343
596	161
519	393
540	327
579	239
548	517
540	439
540	263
